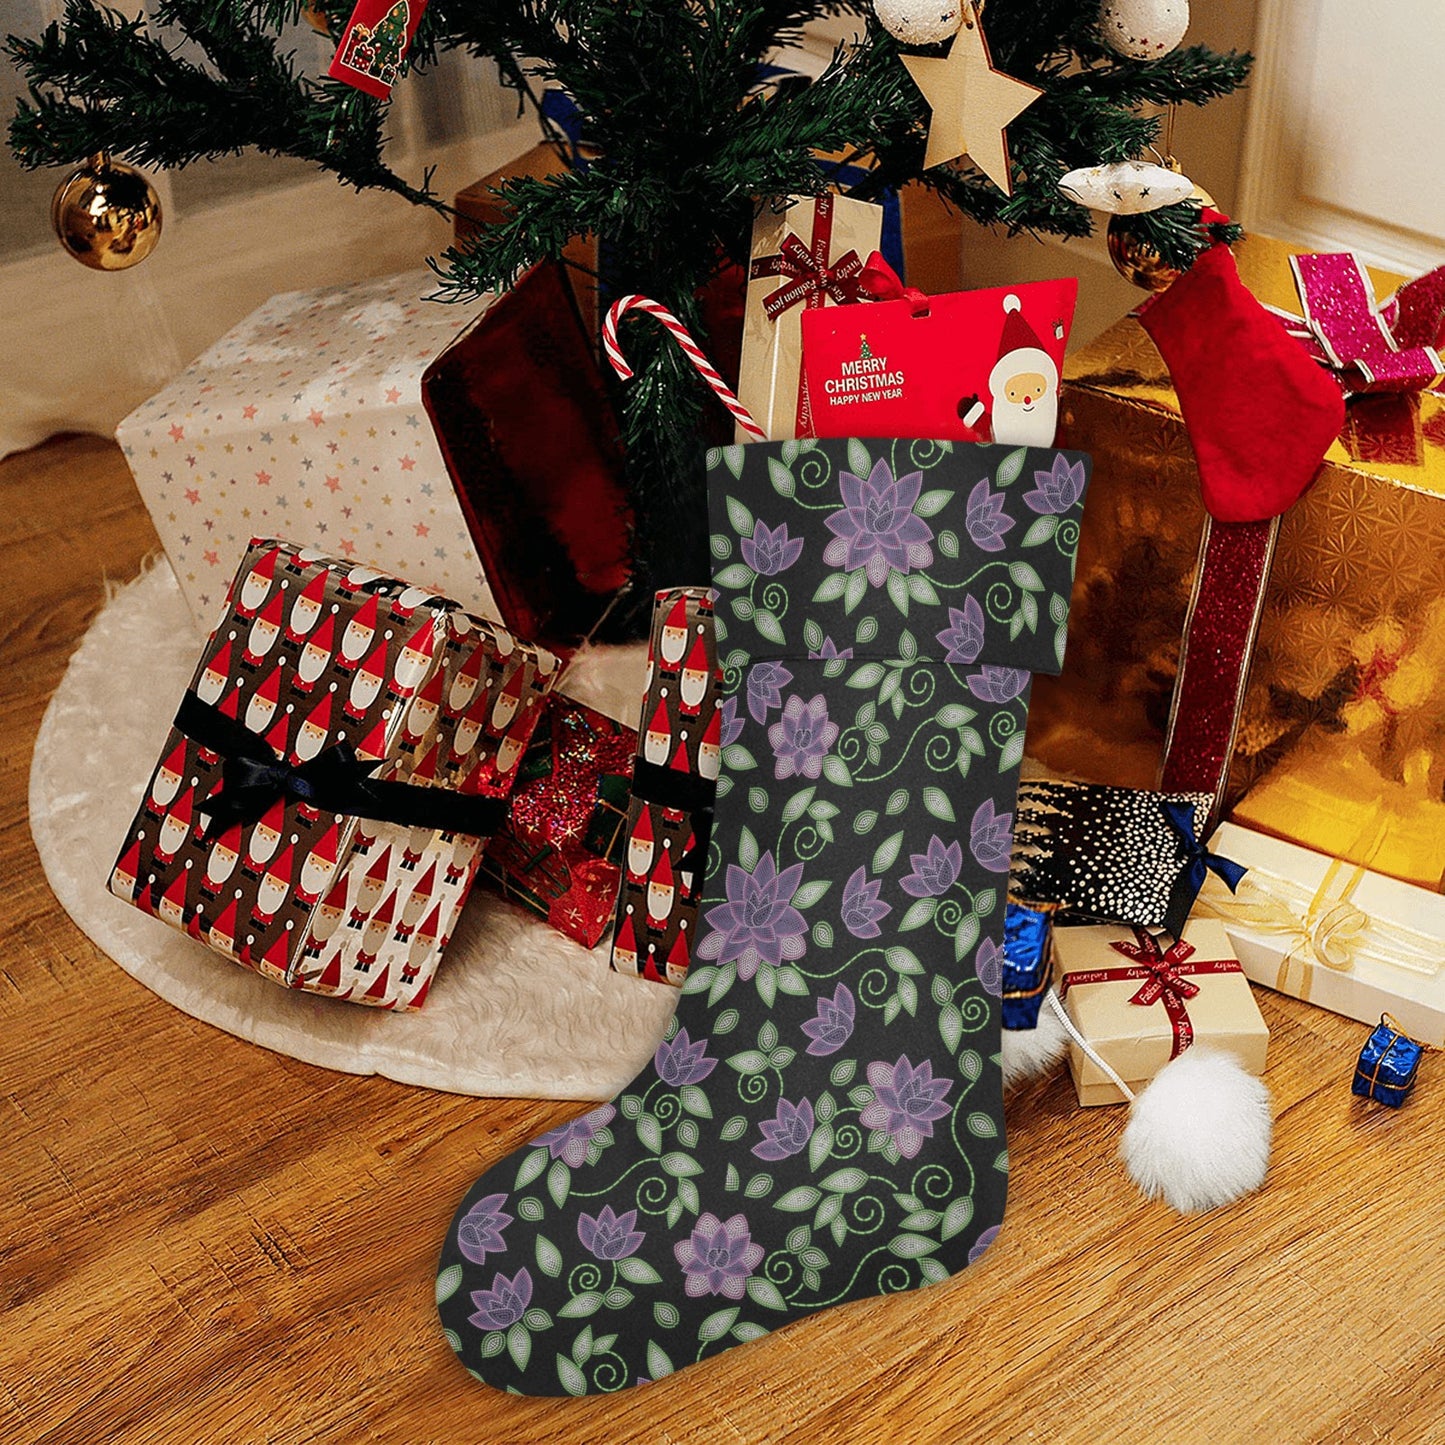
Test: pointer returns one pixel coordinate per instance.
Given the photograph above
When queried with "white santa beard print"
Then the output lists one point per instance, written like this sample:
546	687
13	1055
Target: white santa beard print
1015	424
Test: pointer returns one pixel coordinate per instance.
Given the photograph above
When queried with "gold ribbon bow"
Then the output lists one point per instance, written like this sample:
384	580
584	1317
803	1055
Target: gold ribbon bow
1323	929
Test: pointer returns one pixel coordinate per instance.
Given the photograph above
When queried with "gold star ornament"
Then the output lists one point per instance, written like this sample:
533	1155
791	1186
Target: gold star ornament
971	103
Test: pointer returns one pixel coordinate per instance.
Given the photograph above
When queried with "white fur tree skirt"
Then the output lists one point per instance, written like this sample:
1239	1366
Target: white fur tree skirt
516	1009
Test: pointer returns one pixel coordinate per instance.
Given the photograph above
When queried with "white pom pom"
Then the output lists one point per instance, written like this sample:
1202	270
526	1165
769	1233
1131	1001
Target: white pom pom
1199	1135
919	22
1027	1053
1011	303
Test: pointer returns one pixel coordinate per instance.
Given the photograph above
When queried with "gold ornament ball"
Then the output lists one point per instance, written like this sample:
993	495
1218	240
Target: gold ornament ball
1137	261
107	215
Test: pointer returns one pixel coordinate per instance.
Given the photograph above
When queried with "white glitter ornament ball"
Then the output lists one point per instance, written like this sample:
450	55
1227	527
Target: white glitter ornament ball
919	22
1126	188
1143	29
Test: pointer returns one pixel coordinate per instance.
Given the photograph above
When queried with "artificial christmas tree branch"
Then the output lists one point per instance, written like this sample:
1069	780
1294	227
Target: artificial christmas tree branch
680	134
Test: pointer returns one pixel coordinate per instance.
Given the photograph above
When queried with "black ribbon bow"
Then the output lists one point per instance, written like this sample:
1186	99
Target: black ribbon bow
336	780
689	793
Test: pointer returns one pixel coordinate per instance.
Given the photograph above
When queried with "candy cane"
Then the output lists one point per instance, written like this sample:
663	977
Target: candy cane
694	354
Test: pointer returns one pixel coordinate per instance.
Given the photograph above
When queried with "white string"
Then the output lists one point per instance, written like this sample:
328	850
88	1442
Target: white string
1083	1043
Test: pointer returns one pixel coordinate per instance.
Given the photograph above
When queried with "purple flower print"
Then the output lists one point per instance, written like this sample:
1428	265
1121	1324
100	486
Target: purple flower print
906	1101
986	519
731	724
758	923
569	1143
861	905
718	1258
766	681
982	1243
480	1232
770	551
1058	490
505	1303
610	1236
679	1061
829	651
963	637
935	871
787	1133
832	1026
988	964
877	528
990	836
801	738
997	684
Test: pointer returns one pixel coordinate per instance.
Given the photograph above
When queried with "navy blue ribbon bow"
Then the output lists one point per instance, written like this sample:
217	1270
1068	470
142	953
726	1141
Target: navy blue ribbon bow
336	780
1198	860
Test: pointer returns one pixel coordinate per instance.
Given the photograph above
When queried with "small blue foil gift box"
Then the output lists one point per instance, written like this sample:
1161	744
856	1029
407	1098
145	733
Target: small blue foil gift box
1026	951
1388	1064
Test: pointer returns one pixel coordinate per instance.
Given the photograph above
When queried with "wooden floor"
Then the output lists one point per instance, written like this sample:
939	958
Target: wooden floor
202	1241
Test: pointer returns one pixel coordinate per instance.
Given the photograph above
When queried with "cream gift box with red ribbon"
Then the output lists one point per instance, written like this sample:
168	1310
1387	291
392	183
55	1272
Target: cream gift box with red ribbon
1141	1000
1333	933
807	252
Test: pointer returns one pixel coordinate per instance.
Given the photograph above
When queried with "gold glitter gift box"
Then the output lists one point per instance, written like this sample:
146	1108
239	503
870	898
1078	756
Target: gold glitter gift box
1341	746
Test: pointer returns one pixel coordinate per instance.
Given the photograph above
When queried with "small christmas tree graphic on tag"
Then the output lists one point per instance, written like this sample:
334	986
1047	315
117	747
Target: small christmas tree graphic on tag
378	52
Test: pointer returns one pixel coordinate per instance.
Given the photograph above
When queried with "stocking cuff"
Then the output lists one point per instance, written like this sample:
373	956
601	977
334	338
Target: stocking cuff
845	548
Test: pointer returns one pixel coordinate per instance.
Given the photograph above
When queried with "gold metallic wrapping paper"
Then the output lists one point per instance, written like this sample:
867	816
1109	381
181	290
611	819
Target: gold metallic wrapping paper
1342	744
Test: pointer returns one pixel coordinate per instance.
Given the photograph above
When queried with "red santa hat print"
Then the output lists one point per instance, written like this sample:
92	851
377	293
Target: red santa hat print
1019	349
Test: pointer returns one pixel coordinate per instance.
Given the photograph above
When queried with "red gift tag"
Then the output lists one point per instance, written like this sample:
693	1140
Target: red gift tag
970	366
374	44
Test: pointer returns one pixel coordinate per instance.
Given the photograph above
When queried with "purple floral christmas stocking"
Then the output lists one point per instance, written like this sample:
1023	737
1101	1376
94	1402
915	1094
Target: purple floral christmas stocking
824	1120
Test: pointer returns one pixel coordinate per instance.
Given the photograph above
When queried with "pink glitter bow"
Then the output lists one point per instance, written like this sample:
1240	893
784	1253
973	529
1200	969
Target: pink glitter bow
1369	347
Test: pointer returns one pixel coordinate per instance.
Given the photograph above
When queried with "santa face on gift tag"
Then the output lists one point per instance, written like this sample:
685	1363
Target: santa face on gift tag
1024	384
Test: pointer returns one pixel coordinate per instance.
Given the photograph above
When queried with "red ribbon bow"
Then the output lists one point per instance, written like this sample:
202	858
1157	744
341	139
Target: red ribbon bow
813	281
1163	979
880	282
1369	346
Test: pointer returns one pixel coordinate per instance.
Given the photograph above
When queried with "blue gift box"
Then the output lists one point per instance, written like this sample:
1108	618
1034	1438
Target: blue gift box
1388	1064
1026	939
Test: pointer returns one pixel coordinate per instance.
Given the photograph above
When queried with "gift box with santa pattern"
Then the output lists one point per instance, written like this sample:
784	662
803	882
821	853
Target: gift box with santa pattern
345	745
680	746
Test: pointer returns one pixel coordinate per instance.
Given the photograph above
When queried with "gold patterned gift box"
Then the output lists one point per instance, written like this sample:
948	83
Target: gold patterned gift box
1141	1000
1333	933
1341	747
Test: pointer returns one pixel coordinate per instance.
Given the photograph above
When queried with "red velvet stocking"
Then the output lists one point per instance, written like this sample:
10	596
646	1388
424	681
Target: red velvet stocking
1260	412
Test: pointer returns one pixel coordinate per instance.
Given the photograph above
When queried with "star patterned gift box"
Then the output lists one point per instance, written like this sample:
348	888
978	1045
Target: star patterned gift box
467	448
1141	1000
317	809
306	420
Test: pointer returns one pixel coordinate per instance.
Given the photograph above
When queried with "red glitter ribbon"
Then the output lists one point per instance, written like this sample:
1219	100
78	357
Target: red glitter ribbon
557	807
1165	979
1220	628
812	280
1369	347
